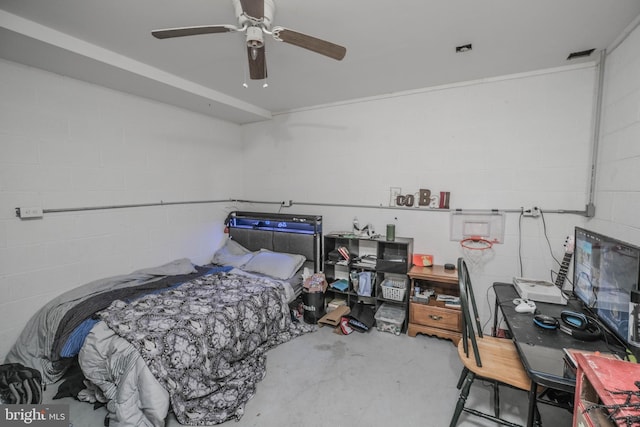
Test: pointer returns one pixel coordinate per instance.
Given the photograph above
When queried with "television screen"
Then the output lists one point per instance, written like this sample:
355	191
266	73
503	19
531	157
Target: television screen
605	272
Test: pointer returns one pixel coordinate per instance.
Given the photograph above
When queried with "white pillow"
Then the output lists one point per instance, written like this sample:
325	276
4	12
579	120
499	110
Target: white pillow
279	265
232	254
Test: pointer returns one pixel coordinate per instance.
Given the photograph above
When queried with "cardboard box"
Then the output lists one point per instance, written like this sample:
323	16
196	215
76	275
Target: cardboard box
333	318
315	283
335	303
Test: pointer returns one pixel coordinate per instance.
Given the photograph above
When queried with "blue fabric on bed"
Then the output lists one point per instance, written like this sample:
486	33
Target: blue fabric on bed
72	346
74	343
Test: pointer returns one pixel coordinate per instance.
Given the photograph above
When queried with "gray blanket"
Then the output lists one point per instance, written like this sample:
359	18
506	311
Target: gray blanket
34	345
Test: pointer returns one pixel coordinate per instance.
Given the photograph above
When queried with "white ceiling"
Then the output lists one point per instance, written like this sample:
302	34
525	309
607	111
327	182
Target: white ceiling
392	46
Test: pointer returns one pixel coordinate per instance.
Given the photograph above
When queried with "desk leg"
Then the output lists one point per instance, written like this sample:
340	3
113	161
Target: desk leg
533	404
494	332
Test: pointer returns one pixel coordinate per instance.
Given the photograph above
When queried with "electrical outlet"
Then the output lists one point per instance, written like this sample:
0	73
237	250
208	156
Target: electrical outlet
29	212
533	212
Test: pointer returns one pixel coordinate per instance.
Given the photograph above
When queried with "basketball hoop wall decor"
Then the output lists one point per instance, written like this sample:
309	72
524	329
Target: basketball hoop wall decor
476	243
477	232
477	251
488	226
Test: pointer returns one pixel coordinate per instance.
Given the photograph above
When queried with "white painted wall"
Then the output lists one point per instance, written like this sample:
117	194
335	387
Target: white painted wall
65	143
521	140
618	185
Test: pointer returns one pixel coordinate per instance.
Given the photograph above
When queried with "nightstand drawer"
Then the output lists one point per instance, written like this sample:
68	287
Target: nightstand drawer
439	317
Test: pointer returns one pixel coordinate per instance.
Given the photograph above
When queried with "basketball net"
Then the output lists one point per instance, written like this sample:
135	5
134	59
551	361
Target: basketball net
476	251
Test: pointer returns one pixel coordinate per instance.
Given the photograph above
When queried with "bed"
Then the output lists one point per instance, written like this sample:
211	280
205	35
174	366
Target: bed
179	337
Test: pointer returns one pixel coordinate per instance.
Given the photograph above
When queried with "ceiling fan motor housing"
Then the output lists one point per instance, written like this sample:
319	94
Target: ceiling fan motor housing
260	21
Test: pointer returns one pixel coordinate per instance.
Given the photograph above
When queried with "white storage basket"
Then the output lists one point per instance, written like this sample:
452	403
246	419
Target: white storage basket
394	289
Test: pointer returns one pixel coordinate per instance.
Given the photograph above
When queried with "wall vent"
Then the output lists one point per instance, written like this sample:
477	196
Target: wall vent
574	55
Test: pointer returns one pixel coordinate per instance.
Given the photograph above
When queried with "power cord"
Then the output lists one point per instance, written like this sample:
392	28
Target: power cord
520	241
544	227
546	236
499	320
628	355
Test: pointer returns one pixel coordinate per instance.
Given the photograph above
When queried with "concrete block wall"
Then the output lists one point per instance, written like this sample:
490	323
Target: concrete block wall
618	185
65	143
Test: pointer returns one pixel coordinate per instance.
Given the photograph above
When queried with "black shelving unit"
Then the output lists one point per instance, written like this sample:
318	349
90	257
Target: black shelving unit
388	262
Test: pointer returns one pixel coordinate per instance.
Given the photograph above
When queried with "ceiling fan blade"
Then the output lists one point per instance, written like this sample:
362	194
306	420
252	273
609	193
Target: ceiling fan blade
253	8
314	44
257	65
191	31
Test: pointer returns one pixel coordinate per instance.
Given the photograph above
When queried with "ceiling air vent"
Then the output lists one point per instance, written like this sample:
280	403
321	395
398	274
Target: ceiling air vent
463	48
574	55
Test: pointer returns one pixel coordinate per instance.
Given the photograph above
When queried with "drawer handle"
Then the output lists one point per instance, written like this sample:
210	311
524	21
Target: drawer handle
434	317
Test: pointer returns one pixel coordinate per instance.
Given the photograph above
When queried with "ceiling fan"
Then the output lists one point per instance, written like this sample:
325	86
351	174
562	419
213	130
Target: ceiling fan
254	19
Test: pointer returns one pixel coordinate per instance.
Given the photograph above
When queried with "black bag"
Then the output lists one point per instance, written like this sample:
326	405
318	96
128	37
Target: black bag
362	317
20	384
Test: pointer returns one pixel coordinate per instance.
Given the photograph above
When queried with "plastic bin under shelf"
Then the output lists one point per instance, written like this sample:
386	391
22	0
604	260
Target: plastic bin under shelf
390	318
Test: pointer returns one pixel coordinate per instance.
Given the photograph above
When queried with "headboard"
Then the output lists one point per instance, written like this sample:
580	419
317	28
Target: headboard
296	234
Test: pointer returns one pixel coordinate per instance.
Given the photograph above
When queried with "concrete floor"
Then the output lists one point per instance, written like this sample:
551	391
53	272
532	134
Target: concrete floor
373	379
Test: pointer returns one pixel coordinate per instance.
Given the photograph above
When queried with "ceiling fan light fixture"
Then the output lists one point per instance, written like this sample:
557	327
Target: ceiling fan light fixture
255	39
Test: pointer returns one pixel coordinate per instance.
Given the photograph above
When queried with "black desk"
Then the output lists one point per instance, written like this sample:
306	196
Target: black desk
540	350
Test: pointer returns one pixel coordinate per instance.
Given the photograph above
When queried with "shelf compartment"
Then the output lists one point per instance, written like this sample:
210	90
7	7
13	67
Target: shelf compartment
386	266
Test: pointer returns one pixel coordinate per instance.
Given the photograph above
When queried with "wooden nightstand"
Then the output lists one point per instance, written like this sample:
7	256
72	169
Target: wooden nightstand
434	318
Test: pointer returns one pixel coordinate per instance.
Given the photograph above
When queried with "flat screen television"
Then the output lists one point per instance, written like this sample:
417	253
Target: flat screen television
605	271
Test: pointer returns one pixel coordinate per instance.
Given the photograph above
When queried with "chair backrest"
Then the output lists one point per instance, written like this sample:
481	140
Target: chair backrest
471	328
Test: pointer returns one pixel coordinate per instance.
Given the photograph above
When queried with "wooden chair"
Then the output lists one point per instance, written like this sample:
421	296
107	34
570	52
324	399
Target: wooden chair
493	359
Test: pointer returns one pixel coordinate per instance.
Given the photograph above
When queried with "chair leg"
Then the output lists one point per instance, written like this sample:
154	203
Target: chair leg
538	421
464	393
533	415
496	399
463	375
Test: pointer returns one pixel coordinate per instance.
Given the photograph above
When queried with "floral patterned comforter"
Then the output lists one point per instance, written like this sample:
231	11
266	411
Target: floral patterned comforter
205	341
